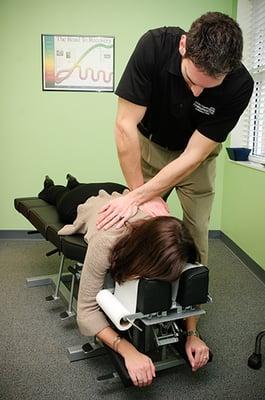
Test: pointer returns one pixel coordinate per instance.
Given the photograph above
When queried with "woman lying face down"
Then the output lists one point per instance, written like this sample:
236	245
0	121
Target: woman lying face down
157	248
150	247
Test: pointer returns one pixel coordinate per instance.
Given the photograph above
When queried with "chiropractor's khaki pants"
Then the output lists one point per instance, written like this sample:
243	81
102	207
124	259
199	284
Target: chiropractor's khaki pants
195	192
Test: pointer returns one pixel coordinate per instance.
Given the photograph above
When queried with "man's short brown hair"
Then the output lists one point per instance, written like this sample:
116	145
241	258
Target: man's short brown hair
215	43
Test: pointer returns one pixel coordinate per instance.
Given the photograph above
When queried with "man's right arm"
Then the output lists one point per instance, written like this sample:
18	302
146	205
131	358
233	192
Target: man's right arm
127	141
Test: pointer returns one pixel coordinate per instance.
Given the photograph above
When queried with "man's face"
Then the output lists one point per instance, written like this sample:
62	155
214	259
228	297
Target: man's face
196	79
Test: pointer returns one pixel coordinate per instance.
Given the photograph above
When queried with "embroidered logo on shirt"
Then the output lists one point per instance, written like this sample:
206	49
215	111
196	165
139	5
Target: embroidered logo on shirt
203	109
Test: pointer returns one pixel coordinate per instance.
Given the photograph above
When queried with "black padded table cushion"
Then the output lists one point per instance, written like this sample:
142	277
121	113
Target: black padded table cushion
41	215
44	217
52	235
74	247
25	204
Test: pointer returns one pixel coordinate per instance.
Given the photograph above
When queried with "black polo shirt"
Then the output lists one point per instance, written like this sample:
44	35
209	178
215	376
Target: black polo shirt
153	78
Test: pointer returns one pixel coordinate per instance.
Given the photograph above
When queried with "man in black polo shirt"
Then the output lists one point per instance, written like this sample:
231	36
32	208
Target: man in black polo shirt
179	97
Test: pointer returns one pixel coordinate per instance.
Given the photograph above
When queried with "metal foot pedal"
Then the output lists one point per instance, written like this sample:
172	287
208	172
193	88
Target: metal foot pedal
69	313
56	296
76	353
111	376
52	298
66	315
87	348
96	352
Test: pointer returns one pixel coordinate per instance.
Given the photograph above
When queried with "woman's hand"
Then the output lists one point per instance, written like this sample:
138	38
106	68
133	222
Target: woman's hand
140	368
197	352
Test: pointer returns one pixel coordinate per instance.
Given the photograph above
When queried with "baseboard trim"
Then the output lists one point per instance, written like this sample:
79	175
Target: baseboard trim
213	234
244	257
15	234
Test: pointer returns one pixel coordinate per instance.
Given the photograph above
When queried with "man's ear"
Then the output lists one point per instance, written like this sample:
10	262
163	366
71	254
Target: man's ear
182	45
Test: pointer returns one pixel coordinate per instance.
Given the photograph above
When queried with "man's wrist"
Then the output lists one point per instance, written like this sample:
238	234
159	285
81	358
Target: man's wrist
136	196
136	184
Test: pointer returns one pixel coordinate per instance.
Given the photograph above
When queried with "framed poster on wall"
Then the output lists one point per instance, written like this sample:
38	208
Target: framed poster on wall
78	63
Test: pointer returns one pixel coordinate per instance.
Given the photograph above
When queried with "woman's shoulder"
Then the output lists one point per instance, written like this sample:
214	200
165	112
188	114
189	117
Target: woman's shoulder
103	194
100	245
101	198
104	238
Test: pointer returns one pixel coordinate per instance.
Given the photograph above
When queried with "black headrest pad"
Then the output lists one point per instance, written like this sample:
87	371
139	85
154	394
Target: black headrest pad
193	286
153	296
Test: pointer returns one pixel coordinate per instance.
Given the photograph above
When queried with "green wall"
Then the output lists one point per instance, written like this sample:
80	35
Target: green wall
58	132
243	210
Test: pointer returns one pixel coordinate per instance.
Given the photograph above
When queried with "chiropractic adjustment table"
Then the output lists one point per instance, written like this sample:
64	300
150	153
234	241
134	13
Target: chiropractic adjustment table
154	324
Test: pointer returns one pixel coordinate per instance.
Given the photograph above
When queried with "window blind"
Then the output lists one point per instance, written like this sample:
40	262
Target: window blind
253	135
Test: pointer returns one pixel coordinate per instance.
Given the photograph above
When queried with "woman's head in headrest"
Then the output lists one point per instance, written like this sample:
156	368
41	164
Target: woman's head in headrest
157	248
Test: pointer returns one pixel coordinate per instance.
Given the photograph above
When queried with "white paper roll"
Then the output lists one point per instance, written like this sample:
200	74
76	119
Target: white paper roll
127	293
113	308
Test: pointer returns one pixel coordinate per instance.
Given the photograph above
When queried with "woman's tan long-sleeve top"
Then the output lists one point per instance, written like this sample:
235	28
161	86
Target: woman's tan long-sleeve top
91	320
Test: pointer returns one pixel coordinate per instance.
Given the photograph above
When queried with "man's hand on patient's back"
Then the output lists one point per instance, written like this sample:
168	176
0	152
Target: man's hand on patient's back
119	210
116	212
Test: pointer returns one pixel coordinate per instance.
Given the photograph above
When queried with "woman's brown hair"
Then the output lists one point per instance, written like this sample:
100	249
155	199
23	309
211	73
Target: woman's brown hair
157	248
